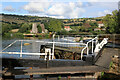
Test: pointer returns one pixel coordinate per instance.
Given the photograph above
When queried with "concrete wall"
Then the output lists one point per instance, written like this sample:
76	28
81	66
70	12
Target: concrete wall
7	62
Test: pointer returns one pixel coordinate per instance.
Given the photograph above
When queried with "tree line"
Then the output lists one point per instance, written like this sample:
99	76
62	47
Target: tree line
112	22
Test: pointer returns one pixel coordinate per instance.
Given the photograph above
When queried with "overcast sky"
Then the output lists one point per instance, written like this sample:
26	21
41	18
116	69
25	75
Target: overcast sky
59	8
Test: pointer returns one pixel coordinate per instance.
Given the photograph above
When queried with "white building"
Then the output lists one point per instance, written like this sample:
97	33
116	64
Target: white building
67	28
100	24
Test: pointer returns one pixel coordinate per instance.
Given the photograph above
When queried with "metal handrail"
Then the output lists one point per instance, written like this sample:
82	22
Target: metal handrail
21	53
86	47
9	45
83	51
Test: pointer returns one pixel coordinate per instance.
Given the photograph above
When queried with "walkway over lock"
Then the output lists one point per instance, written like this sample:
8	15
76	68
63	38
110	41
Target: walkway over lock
98	51
50	51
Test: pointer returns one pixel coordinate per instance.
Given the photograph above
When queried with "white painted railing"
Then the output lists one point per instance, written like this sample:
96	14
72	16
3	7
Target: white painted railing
87	46
99	46
51	54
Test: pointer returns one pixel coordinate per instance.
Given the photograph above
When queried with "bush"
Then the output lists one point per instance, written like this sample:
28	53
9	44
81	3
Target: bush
63	32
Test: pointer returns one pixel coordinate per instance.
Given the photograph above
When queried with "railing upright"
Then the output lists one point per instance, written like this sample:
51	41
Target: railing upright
21	50
53	47
92	46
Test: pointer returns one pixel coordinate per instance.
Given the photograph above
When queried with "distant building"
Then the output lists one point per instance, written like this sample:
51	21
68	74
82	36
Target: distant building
34	28
86	25
99	29
43	28
100	24
67	28
91	20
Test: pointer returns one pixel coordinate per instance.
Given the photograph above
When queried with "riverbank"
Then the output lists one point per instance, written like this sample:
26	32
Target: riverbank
25	36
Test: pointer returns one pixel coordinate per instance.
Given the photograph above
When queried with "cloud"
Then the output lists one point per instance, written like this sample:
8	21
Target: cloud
0	5
27	0
34	7
109	5
102	0
60	10
104	12
65	9
60	0
68	10
9	9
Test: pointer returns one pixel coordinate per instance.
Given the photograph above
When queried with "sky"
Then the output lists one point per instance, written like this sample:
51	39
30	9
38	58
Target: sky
65	9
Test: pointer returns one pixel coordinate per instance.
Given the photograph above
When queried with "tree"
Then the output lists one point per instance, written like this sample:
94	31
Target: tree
82	29
15	26
24	28
111	22
46	25
54	25
6	28
63	32
93	24
39	28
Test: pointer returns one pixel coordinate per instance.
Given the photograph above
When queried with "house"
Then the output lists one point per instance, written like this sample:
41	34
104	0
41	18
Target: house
99	29
91	20
86	25
67	28
100	24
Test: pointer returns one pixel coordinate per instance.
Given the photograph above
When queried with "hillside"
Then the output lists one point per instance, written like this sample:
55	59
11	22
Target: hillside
23	23
13	19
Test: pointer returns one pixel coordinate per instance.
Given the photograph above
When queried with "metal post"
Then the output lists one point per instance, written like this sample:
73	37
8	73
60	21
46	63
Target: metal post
81	55
21	50
96	41
53	47
49	55
53	50
58	37
92	46
63	36
45	56
113	40
87	49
